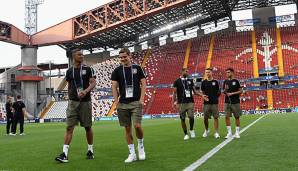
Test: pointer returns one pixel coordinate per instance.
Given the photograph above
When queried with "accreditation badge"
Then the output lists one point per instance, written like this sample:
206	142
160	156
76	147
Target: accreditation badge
129	91
187	93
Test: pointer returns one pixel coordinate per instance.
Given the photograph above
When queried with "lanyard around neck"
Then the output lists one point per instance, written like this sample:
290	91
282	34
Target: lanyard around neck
73	75
124	76
183	84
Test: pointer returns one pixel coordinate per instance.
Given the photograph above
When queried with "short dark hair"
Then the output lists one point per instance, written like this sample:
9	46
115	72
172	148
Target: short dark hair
125	50
18	96
230	69
209	69
70	52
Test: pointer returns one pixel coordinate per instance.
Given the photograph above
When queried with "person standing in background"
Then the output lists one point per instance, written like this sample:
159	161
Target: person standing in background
9	115
18	115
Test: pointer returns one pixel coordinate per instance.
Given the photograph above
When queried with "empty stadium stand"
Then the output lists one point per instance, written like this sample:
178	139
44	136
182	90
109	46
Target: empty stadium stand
229	49
57	110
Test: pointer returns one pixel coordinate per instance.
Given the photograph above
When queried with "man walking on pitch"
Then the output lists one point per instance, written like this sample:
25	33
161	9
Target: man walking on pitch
81	80
232	90
128	87
184	102
210	88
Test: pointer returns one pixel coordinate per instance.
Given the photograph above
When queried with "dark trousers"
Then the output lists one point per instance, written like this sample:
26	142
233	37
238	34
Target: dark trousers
9	124
18	119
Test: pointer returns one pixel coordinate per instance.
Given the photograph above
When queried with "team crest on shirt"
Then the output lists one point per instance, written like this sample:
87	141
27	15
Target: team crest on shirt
134	71
213	83
84	72
234	83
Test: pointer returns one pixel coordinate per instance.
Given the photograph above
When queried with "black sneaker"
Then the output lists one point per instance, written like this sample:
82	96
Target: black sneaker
90	155
62	158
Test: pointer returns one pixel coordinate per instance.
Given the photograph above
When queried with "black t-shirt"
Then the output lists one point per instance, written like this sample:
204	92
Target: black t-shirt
8	107
79	80
211	89
134	71
18	106
230	86
183	84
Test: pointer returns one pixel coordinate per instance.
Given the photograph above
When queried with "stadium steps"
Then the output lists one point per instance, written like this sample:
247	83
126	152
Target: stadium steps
62	85
146	58
187	54
255	55
210	53
270	99
111	111
281	72
45	110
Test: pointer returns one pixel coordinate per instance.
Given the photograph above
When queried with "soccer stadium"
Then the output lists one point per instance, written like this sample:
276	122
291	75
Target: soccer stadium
251	36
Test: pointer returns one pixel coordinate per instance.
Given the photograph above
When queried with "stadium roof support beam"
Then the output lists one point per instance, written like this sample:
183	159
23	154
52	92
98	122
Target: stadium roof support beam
226	7
105	18
57	34
11	34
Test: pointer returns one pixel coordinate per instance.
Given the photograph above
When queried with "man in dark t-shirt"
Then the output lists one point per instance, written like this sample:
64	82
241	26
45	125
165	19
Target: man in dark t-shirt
210	88
9	115
128	87
18	115
183	100
232	91
81	80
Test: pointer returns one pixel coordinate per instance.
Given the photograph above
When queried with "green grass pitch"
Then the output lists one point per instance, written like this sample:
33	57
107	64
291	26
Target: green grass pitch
270	144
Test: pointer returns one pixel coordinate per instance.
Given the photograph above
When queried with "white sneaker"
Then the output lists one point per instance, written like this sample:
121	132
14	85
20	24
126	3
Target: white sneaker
22	134
229	135
206	133
237	135
142	154
12	134
192	134
131	158
186	137
216	135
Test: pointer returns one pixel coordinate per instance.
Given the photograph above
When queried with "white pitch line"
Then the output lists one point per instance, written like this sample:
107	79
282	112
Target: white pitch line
204	158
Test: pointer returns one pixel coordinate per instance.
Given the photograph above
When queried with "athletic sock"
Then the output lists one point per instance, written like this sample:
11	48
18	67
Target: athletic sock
140	143
238	129
229	129
131	148
90	147
65	149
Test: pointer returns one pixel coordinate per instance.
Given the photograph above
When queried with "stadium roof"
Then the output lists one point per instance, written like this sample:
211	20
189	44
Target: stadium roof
201	11
122	21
